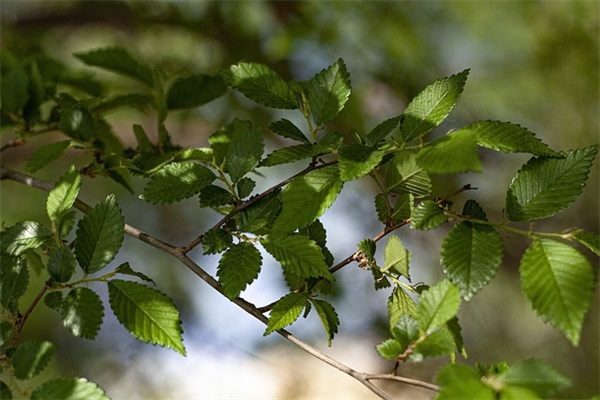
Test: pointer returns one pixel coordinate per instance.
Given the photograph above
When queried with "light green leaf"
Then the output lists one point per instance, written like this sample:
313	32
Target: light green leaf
537	376
69	389
244	153
285	311
62	197
328	91
306	198
14	280
328	316
176	182
381	131
439	343
294	153
458	381
437	305
508	138
119	61
399	304
287	129
61	264
126	269
545	186
23	236
146	313
389	348
559	282
406	330
30	358
261	84
99	235
456	152
238	267
430	107
14	92
260	214
518	393
194	91
82	312
406	176
44	155
396	257
298	254
427	215
357	160
471	255
590	240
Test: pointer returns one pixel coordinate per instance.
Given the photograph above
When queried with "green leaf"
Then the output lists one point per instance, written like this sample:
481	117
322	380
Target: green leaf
62	197
287	129
458	381
357	160
306	198
399	304
119	61
473	209
439	343
367	247
244	153
396	257
177	181
69	389
61	264
261	84
298	254
545	186
508	138
215	196
147	314
132	100
389	348
44	155
471	255
126	269
194	91
77	122
30	358
382	130
260	214
244	187
285	311
328	316
590	240
427	215
99	235
238	267
430	107
456	152
14	91
518	393
82	312
23	236
406	176
537	376
66	223
5	392
54	300
402	208
559	282
328	91
215	241
14	281
437	305
406	330
456	331
293	153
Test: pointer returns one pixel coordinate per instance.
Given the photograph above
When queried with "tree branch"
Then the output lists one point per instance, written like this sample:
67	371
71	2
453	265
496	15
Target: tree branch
180	254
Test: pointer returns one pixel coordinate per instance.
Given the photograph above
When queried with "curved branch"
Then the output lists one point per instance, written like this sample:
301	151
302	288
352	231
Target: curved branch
180	254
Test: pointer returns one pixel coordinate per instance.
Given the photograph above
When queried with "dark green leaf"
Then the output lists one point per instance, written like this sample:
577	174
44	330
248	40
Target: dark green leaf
30	358
298	254
99	235
14	91
381	131
559	282
474	210
545	186
329	318
260	214
244	153
215	196
406	176
54	300
537	376
194	91
508	138
357	160
46	154
23	236
126	269
215	241
245	186
238	267
69	389
285	311
456	152
5	392
62	197
61	264
82	312
119	61
14	281
367	247
402	208
590	240
427	215
176	182
287	129
147	314
77	122
261	84
132	100
328	91
293	153
430	107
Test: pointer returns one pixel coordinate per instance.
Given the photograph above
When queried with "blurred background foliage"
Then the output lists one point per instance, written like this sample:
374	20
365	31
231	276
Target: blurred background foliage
535	63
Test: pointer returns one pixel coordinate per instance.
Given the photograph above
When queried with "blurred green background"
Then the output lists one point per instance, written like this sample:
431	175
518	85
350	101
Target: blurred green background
535	63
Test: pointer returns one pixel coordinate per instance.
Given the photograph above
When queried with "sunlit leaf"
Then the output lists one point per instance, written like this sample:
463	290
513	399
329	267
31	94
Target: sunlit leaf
427	215
176	182
437	305
406	176
298	254
456	152
62	197
389	348
381	131
357	160
329	318
508	138
23	236
69	389
31	357
82	312
285	311
396	257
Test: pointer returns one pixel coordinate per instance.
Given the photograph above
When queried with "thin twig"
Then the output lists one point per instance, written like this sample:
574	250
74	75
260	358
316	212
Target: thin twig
409	381
23	319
